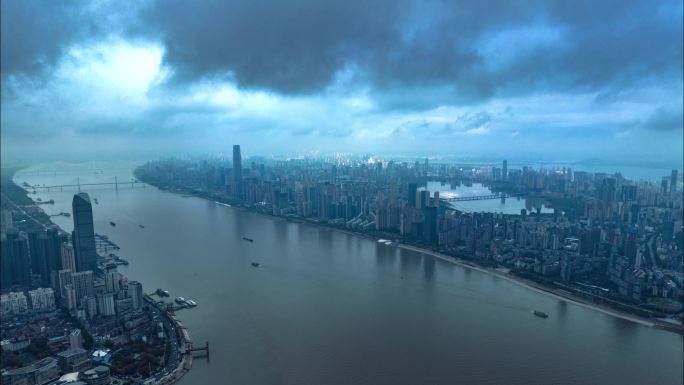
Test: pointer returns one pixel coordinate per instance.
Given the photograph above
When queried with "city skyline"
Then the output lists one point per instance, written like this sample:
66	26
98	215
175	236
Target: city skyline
592	81
342	192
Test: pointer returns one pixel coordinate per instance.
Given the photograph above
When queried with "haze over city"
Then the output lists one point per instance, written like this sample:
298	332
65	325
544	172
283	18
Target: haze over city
342	192
565	81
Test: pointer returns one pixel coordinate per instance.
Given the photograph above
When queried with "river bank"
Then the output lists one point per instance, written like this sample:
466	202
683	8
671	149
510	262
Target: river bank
32	217
558	294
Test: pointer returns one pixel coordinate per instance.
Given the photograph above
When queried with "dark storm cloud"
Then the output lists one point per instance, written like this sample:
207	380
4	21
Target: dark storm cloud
298	47
35	33
460	51
665	119
383	73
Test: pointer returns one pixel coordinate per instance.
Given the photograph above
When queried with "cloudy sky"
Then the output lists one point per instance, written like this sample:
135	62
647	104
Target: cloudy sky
567	80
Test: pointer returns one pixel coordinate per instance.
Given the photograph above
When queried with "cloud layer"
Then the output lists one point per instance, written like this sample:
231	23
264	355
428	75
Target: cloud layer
559	79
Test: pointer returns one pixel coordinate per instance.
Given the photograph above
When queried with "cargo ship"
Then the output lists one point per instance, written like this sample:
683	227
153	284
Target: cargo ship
540	314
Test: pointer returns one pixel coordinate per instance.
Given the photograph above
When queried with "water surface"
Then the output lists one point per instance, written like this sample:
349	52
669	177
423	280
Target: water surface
332	308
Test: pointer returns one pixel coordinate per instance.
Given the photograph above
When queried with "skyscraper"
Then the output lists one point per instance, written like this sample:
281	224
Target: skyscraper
135	291
53	253
84	233
15	259
504	170
412	189
5	262
38	249
237	171
673	181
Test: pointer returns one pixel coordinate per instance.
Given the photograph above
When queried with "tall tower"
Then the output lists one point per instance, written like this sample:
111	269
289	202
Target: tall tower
237	171
673	181
504	171
84	233
412	191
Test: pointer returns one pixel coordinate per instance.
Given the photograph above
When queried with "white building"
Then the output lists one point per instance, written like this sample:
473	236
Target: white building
14	303
83	284
68	257
112	279
42	299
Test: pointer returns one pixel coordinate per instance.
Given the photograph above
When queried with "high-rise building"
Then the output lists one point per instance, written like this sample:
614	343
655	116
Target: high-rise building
135	291
504	170
90	305
83	284
53	254
105	304
38	254
412	192
13	303
111	279
673	181
70	296
42	299
63	279
84	233
6	221
430	224
237	171
16	258
423	198
5	262
68	257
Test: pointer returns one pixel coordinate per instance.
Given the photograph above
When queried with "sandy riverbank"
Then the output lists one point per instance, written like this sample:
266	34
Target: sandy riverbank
531	285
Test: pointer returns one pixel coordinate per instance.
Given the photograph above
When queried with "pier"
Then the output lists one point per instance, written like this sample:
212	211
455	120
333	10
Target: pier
203	352
103	244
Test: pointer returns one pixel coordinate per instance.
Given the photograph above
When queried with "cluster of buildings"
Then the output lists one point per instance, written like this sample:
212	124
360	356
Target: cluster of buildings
68	268
49	278
16	303
605	235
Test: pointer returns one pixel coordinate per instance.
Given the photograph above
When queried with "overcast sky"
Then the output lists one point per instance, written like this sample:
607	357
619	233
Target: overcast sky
566	80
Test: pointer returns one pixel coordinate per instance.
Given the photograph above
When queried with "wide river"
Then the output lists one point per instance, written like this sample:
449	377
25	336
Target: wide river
331	308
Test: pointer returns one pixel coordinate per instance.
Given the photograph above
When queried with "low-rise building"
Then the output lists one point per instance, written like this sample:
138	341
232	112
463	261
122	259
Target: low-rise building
73	360
98	375
37	373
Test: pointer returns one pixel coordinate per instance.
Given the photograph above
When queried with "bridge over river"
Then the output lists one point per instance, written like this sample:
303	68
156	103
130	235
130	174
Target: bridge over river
481	197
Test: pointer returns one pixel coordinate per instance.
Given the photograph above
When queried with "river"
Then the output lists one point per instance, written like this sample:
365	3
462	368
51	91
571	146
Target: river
511	205
332	308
